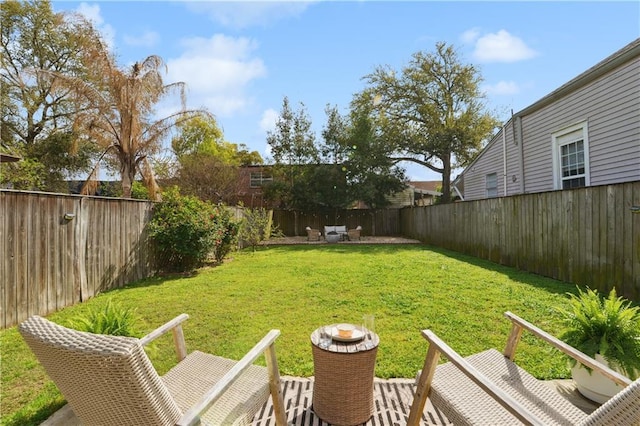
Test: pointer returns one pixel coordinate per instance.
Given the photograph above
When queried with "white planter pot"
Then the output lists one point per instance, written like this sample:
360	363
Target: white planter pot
594	385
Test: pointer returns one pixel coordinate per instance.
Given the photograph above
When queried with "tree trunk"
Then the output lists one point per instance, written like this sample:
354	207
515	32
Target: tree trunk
446	179
127	174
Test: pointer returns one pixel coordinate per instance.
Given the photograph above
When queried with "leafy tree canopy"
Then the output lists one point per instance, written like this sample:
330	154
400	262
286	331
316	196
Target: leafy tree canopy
208	166
334	173
432	112
201	135
36	115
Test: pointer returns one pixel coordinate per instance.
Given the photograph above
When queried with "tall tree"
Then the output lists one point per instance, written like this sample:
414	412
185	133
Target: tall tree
333	148
208	165
293	141
119	113
294	151
36	116
432	112
372	173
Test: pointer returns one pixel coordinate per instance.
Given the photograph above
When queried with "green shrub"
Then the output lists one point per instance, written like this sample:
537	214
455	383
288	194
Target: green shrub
255	227
187	230
108	318
225	232
139	191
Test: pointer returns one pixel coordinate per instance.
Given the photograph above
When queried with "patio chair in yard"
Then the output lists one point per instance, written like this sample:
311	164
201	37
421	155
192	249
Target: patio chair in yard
313	234
354	234
488	388
109	380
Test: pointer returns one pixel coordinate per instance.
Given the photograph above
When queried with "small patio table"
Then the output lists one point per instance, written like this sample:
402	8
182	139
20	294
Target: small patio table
343	382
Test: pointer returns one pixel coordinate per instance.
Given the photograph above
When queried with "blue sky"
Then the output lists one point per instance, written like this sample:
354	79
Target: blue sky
239	59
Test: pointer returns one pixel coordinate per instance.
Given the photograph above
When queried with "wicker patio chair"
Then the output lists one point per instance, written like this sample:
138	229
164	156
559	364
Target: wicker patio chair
354	234
313	234
109	380
489	388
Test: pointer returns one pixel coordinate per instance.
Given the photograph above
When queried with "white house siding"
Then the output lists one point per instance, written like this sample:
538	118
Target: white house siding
490	161
614	140
514	176
611	107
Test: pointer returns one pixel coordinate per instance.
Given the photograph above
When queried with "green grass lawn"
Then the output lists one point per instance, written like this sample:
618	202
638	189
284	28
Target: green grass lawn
298	288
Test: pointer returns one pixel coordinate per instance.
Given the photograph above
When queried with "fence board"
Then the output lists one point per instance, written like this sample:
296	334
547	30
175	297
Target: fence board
635	243
11	300
49	263
587	236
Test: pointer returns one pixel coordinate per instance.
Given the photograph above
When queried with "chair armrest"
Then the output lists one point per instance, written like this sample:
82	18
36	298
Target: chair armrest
519	324
175	325
437	345
192	416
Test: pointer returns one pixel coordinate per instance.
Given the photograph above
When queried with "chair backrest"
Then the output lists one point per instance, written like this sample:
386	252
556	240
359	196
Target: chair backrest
107	380
621	410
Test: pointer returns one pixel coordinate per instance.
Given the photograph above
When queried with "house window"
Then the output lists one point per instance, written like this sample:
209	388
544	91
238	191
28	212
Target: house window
571	157
259	179
492	185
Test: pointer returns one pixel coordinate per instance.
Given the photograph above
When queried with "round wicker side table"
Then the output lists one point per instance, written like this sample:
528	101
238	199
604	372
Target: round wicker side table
343	380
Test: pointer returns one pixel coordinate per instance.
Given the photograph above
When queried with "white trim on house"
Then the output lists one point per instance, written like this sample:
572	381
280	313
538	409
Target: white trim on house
567	136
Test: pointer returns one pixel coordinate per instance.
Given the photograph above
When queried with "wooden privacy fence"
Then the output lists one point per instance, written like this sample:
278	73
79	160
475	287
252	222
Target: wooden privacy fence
58	250
587	236
374	222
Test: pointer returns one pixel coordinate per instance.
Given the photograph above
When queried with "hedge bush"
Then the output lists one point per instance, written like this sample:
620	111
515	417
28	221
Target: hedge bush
187	230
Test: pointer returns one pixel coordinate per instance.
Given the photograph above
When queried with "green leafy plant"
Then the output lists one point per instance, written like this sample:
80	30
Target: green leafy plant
609	326
183	231
225	232
255	227
187	231
108	318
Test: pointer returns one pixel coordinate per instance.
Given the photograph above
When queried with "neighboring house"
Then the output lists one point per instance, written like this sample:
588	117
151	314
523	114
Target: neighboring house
8	158
425	192
417	193
251	180
585	133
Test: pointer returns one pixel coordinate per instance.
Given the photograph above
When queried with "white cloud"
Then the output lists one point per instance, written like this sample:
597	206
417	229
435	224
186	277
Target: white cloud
242	14
267	124
217	72
502	88
147	39
92	13
501	47
268	120
470	36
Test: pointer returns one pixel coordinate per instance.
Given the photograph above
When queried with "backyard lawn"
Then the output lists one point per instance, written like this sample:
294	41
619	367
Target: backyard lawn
298	288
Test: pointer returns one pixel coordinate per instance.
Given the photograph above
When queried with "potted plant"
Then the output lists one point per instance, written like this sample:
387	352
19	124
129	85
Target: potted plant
607	329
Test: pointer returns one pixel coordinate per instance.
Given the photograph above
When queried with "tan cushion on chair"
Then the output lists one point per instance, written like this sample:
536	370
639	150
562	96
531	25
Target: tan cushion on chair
464	403
198	372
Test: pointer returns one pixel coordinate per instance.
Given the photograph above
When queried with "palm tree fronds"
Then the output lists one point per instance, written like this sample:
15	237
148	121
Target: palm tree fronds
150	180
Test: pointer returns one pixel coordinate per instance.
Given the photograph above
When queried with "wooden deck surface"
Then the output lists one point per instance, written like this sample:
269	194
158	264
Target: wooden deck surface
392	400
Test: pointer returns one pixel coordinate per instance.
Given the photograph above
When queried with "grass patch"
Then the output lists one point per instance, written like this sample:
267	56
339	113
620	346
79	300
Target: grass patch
298	288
